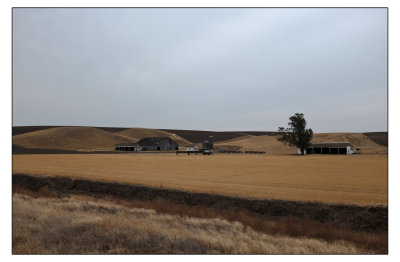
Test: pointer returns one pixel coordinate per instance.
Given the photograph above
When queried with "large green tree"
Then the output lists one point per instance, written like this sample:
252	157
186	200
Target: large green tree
296	135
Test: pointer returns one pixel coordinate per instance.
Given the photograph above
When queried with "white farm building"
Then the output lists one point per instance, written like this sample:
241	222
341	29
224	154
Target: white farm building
338	148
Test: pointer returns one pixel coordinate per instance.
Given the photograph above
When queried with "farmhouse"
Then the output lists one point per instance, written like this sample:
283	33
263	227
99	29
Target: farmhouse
158	143
128	147
337	148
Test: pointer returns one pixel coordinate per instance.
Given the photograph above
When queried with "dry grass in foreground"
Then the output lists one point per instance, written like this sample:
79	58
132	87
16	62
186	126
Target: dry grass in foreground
73	226
366	227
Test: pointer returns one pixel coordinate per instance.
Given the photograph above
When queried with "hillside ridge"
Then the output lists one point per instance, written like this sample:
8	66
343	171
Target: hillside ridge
78	138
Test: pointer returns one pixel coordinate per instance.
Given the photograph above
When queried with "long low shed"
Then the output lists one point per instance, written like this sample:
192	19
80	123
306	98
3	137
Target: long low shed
338	148
128	147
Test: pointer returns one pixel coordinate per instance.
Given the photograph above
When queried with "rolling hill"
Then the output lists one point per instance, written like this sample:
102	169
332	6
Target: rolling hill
104	139
269	143
197	136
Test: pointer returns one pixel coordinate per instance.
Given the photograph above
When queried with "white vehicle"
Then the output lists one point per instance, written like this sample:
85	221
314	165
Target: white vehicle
207	152
192	148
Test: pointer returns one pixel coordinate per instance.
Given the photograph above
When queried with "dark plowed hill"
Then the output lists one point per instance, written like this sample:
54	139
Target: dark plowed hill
112	129
196	136
259	133
18	130
381	138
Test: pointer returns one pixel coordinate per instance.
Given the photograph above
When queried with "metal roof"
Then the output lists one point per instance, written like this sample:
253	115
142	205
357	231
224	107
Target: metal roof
332	144
153	141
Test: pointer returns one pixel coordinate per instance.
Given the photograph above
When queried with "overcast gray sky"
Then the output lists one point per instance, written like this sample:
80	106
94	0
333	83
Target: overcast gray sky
203	69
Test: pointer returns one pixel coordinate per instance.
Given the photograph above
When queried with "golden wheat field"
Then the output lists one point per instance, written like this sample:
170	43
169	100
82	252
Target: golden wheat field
354	179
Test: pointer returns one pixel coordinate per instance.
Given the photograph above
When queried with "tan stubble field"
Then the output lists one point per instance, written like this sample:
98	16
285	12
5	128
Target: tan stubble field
354	179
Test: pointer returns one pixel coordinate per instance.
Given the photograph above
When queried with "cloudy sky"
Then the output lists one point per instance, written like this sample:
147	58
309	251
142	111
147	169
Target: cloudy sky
202	69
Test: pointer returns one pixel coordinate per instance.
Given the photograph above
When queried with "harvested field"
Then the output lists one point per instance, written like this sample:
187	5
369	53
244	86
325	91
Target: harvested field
78	226
196	136
199	136
266	143
138	133
355	179
381	138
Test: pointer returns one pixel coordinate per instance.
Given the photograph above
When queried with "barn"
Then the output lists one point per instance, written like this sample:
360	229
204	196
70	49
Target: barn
336	148
158	143
128	147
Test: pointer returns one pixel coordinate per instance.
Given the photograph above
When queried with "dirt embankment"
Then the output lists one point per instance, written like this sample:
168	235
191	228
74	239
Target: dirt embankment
367	218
